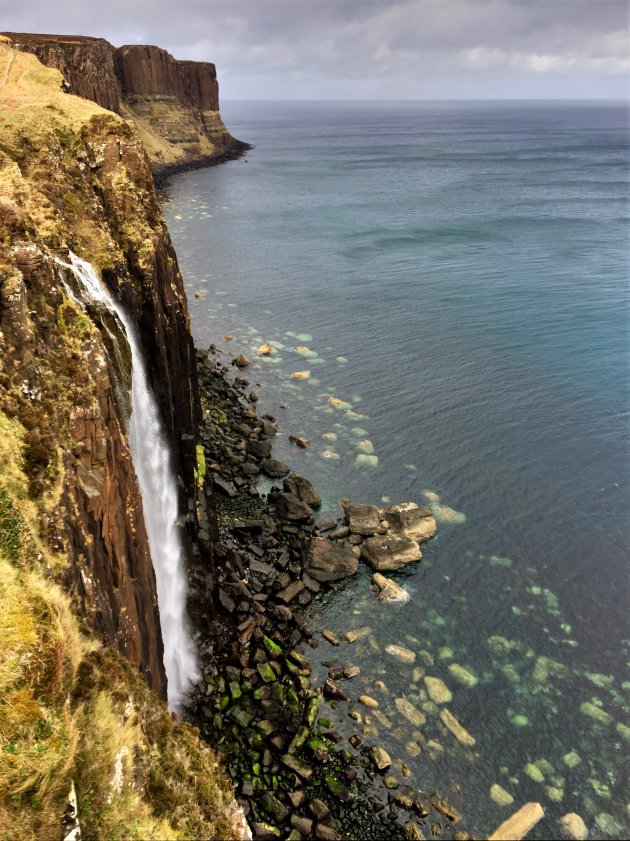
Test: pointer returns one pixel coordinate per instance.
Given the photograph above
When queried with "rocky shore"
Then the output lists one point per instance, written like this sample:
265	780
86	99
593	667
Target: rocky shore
296	776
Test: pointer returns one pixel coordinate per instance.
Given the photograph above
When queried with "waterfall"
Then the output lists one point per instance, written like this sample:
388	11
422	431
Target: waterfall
152	462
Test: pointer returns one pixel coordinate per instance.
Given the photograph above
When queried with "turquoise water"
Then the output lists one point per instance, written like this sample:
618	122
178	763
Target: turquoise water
456	275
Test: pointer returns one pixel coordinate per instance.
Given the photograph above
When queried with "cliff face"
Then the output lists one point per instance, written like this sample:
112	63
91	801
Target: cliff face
174	104
73	176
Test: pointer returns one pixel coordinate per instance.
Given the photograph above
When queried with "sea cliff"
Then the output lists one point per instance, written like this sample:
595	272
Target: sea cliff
77	581
174	105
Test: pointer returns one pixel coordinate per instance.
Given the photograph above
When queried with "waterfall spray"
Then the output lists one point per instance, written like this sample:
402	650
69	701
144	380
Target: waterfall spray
151	459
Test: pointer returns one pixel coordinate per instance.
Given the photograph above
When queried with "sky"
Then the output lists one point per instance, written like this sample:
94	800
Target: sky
367	49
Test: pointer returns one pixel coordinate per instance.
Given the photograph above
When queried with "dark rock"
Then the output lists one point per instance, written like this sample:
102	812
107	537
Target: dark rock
259	449
326	833
303	825
289	593
275	808
299	441
224	486
298	766
273	468
325	561
290	508
303	490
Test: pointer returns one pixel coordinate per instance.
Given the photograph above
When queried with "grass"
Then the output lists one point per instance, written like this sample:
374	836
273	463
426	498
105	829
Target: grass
73	711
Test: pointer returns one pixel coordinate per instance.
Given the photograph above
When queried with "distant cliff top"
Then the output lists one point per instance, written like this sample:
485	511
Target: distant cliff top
174	104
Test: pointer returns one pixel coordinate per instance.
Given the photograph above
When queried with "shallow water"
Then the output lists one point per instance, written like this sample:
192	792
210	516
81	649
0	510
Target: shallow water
455	276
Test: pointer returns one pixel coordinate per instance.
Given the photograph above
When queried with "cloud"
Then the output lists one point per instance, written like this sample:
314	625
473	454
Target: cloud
372	48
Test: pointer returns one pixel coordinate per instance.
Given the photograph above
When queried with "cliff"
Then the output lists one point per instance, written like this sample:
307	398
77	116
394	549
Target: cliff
76	177
174	104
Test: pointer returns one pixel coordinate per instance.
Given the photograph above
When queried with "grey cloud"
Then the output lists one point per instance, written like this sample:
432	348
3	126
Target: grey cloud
348	48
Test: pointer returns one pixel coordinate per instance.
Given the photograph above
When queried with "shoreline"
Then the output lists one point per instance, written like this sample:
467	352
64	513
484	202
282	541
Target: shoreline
294	773
162	172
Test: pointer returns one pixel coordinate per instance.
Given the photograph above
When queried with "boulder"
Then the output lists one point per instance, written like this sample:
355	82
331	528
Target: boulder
326	561
303	490
408	518
289	507
389	591
437	690
273	468
241	361
362	519
259	449
389	552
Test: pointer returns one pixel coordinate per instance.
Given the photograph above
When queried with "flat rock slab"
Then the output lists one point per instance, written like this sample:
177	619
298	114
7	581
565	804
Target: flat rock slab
411	519
388	552
363	519
407	709
519	824
326	561
437	690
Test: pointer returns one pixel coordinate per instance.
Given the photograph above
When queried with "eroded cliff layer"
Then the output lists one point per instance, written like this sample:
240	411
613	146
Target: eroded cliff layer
74	176
174	104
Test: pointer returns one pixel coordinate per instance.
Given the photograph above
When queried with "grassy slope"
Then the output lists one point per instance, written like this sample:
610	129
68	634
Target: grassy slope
69	709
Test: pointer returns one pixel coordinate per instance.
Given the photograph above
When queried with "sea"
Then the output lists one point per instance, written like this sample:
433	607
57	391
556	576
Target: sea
455	276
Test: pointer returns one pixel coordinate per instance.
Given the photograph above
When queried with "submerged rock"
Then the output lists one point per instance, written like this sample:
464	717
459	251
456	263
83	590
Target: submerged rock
389	552
572	826
437	690
458	730
500	796
407	709
405	655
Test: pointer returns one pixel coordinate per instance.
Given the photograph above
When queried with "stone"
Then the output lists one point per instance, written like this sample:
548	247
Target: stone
386	553
289	593
302	824
416	522
380	758
437	690
275	808
446	808
266	673
407	709
332	638
298	766
389	591
273	468
573	827
266	349
241	361
259	449
367	701
290	508
462	675
326	833
413	831
461	734
297	798
264	831
326	561
362	519
350	672
400	653
334	691
303	490
519	824
500	796
319	810
300	441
